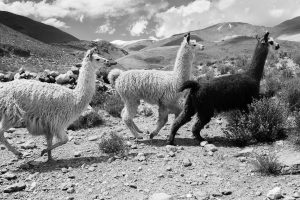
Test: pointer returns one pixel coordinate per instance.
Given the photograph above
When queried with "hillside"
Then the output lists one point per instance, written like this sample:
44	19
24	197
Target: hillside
289	30
34	29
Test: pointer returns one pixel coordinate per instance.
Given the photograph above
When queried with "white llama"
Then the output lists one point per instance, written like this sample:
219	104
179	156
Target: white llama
155	87
47	109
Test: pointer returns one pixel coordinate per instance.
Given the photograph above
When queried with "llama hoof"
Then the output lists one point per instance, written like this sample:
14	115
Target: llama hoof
44	151
152	135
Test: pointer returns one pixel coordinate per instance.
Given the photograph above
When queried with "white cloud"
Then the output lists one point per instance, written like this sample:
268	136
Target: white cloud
223	4
203	13
106	28
138	27
71	8
276	12
55	22
81	18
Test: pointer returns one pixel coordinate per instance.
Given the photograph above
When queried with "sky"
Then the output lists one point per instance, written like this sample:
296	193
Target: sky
142	19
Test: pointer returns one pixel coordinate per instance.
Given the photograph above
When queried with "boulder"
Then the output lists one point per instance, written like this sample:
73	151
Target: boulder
62	79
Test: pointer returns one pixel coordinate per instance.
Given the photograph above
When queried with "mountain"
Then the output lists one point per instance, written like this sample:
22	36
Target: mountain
37	30
289	30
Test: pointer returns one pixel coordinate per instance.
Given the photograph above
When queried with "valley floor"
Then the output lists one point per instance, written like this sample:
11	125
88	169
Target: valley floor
83	172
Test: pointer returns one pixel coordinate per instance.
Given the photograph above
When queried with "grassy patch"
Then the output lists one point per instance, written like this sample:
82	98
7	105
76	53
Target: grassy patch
113	105
88	119
267	164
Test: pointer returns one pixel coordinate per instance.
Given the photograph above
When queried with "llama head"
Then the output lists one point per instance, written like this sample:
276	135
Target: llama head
268	41
97	60
192	44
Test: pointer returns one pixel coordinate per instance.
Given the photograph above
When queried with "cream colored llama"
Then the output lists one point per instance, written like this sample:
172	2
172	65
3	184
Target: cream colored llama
47	109
155	87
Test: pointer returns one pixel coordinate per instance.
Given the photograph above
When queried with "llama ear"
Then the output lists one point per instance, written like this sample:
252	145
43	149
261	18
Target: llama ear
266	36
257	37
188	37
91	52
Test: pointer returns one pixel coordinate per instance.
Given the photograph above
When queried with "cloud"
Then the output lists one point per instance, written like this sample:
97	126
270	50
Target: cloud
55	22
203	13
138	27
89	8
106	28
81	18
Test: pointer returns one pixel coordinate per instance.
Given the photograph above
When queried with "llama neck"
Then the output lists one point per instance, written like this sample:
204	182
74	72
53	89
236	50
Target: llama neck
85	88
183	64
258	61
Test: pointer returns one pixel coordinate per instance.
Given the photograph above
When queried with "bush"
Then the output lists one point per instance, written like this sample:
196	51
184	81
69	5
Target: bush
291	94
113	144
267	164
237	131
266	120
296	135
114	105
264	123
273	85
88	119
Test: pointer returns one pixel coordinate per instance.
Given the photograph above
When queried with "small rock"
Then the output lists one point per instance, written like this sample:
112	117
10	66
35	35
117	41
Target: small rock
189	195
64	170
93	138
186	162
275	193
169	168
9	176
171	148
210	153
33	186
171	154
226	192
242	159
71	190
244	152
71	176
289	198
210	147
160	155
70	198
134	146
296	195
203	143
2	147
15	187
11	130
160	196
91	169
77	154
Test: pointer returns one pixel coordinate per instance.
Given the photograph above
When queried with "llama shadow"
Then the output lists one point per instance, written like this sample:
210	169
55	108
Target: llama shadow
163	142
41	166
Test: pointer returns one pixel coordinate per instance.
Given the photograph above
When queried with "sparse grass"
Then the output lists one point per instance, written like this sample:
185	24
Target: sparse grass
89	119
273	85
296	135
264	123
291	94
114	105
113	144
267	164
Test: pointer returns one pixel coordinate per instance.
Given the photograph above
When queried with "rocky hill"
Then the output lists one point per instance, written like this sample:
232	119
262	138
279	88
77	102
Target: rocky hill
34	29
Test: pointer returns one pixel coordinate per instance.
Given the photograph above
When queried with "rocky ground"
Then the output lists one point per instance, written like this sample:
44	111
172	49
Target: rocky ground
152	170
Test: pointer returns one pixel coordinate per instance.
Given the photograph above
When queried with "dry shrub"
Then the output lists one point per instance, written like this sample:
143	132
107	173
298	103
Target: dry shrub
113	105
113	144
267	164
265	122
88	119
291	94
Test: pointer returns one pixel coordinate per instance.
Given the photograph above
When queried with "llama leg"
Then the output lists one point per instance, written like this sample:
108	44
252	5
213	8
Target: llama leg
183	118
203	118
63	137
128	114
162	120
49	139
134	125
4	126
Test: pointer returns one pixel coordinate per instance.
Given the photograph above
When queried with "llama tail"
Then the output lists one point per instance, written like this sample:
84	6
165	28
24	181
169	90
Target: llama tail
193	85
113	75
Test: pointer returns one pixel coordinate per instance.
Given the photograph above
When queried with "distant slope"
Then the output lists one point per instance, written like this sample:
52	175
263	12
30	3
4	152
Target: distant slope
13	38
34	29
289	30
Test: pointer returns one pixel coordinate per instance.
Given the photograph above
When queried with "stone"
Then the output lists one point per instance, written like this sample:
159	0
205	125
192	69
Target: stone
33	186
77	154
161	196
244	152
210	147
171	154
289	158
171	148
9	176
70	190
75	70
226	192
64	170
289	198
134	146
2	147
91	169
275	193
169	168
200	195
28	145
203	143
186	162
62	79
15	187
296	195
159	155
93	138
54	74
